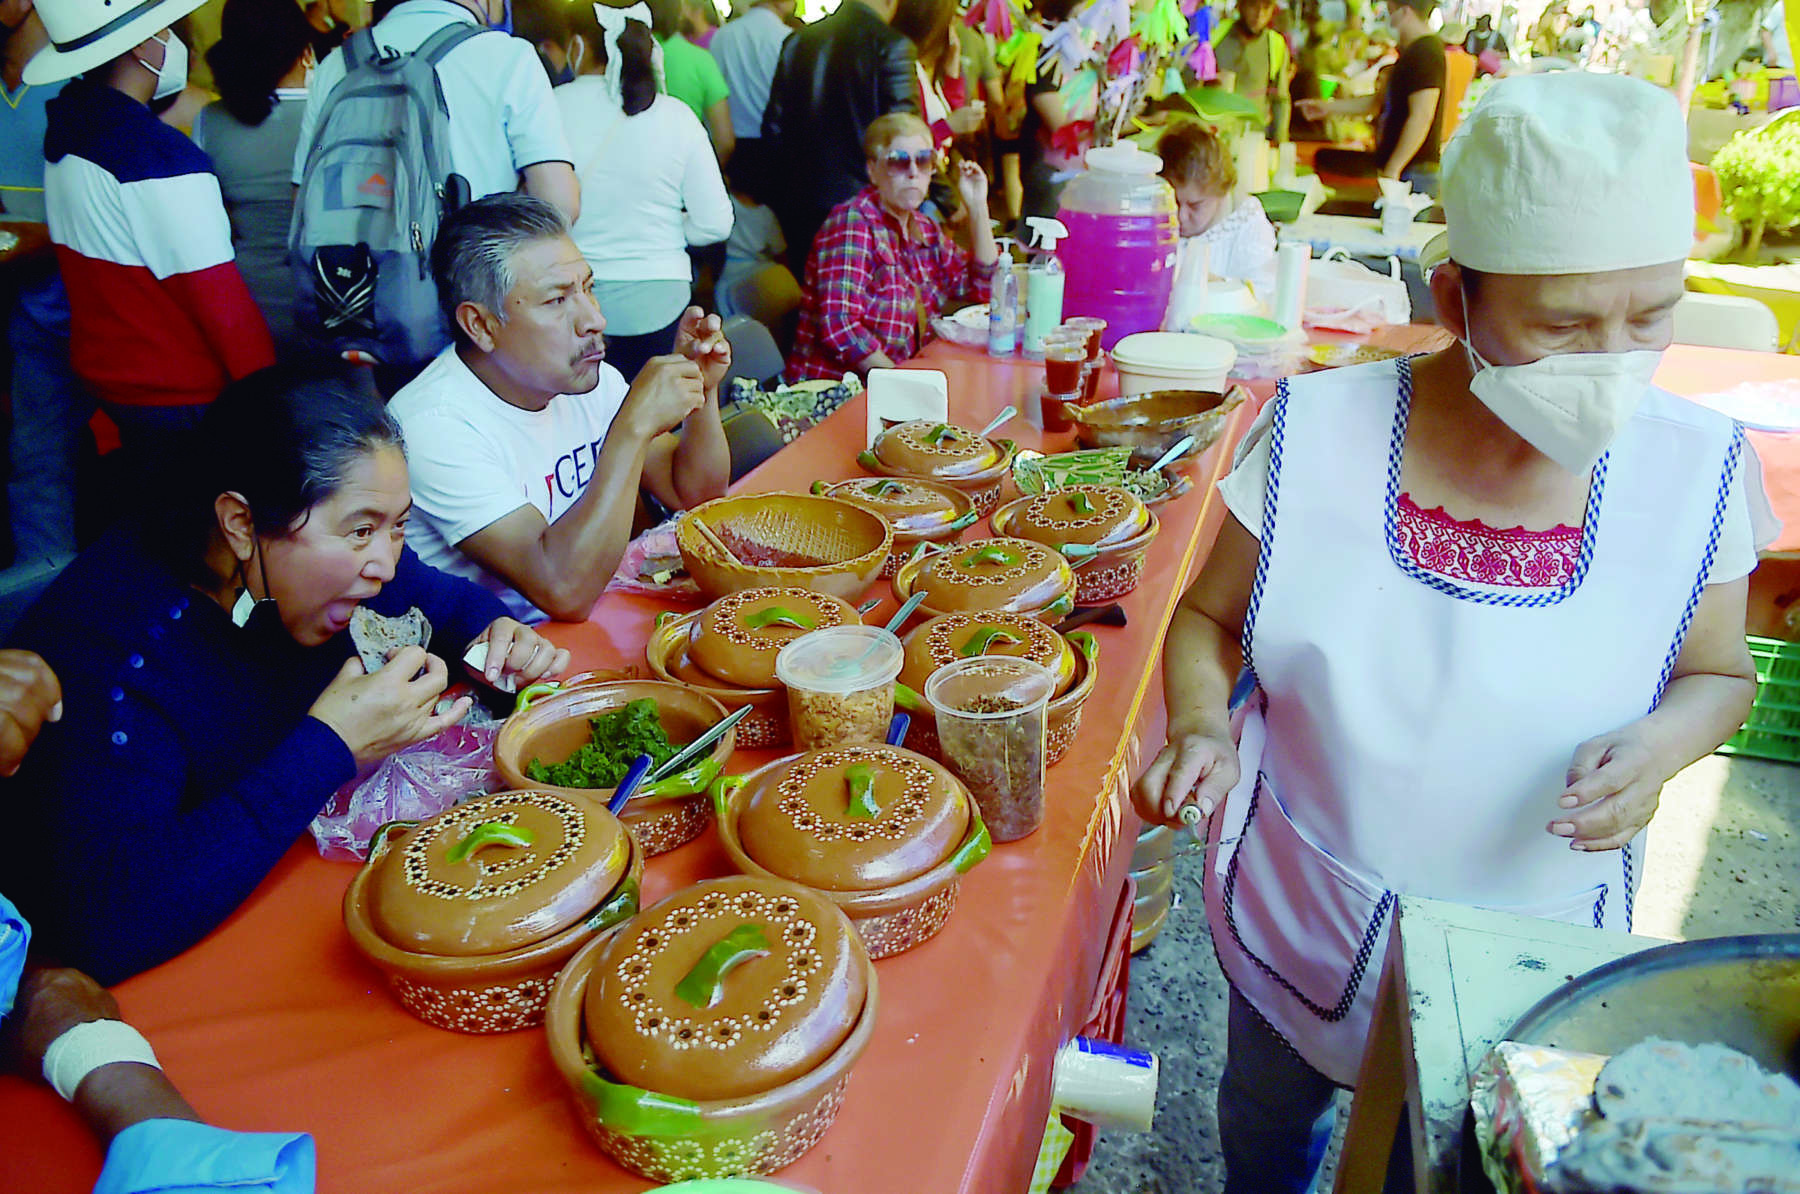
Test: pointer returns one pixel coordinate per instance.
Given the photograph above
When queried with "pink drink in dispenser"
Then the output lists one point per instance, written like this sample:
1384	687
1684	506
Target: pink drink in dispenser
1119	256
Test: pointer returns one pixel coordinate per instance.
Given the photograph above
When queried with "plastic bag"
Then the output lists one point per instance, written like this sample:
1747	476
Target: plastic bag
421	781
651	554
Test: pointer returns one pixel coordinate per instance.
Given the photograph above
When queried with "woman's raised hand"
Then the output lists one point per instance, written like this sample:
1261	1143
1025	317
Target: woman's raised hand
379	714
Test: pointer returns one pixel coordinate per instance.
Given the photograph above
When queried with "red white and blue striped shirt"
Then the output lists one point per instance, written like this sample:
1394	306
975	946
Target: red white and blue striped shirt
160	314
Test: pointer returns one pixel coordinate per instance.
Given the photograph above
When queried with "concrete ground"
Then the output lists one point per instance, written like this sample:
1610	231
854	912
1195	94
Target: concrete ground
1724	859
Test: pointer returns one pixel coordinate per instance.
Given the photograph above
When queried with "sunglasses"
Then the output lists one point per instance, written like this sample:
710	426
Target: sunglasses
897	160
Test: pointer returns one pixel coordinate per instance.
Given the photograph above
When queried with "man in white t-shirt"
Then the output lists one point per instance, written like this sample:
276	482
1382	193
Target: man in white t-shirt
505	131
526	449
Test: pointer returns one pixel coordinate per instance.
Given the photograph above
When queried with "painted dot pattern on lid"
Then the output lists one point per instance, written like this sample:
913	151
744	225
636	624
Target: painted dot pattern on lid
946	636
896	818
512	872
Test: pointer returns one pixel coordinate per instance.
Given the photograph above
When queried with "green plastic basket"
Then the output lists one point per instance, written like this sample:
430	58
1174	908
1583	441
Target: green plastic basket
1772	731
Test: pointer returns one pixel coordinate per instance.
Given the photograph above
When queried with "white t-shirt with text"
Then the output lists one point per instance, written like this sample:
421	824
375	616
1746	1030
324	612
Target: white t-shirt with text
475	458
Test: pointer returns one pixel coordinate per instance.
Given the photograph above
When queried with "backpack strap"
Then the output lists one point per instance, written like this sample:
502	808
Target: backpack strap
433	48
360	49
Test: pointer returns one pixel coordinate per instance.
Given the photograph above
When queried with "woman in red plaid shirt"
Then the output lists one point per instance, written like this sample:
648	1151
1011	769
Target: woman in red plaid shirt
880	268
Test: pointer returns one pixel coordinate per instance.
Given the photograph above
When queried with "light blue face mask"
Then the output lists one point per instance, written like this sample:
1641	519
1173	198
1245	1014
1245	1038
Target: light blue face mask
15	942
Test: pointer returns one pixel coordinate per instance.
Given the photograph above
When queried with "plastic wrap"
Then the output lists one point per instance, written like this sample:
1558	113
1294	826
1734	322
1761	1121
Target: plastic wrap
421	781
651	566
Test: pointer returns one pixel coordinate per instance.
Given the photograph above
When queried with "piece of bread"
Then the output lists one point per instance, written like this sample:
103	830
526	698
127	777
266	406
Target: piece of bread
376	637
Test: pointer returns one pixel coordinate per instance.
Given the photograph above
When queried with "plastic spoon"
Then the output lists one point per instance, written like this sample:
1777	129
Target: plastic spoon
1181	445
905	612
998	421
640	767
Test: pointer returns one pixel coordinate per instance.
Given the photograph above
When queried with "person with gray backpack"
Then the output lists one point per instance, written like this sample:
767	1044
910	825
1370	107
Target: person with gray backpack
428	109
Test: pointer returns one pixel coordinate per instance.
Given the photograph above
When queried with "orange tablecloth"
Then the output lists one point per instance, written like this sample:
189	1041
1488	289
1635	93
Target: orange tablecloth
274	1023
1693	371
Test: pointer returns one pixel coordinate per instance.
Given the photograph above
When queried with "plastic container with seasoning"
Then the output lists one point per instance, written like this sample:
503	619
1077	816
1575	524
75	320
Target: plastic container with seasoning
991	718
840	685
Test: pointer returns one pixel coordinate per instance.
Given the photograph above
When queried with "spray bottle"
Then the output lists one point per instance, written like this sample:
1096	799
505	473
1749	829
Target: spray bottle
1003	305
1043	283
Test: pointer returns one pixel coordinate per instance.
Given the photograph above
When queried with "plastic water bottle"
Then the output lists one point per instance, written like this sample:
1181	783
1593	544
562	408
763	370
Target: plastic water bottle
1003	306
1043	283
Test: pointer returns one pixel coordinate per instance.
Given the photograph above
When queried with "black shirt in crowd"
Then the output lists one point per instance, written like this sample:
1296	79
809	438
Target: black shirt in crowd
1420	68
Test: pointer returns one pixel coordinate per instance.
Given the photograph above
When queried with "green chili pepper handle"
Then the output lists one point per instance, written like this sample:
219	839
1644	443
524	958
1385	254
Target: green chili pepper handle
965	520
378	842
819	487
1087	644
1078	551
993	553
529	695
488	833
621	907
867	459
985	637
721	791
689	781
704	985
978	847
634	1111
1080	503
908	700
883	487
1061	606
940	433
861	780
779	615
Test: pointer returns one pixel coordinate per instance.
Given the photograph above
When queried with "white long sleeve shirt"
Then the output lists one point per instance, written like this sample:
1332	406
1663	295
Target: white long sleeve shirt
650	185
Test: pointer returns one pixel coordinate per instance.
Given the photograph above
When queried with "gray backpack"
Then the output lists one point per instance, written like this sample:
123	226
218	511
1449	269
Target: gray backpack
376	185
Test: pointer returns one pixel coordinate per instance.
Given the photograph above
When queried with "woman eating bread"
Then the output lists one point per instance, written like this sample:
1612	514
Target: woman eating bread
213	698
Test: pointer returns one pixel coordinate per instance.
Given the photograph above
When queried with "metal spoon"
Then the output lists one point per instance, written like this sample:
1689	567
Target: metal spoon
692	750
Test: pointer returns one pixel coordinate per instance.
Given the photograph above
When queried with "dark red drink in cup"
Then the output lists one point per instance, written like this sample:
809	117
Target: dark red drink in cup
1065	358
1093	327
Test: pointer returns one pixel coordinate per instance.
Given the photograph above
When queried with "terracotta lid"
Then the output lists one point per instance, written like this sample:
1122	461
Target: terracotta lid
728	988
949	637
737	637
852	818
942	451
496	873
912	506
1010	575
1092	515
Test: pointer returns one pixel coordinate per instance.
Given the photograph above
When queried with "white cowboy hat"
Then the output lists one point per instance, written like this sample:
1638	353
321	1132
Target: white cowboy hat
86	33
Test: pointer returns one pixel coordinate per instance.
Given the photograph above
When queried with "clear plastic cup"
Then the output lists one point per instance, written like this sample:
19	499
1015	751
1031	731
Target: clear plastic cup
1093	328
840	684
991	717
1064	355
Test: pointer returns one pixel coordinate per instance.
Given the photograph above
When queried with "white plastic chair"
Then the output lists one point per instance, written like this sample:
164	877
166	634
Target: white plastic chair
1726	321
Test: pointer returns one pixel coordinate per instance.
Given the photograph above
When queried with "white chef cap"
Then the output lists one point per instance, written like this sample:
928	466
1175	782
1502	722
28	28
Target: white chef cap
1567	173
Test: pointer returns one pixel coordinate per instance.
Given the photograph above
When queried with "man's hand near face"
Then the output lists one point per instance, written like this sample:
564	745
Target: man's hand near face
696	466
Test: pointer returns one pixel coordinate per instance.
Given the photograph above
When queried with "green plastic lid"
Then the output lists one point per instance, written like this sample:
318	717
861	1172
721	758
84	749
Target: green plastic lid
1243	330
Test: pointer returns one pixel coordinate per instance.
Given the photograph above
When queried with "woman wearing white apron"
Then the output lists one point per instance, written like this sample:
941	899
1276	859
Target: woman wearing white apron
1492	600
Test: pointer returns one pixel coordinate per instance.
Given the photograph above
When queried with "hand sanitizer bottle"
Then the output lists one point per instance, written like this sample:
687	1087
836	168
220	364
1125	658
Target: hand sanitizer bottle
1003	306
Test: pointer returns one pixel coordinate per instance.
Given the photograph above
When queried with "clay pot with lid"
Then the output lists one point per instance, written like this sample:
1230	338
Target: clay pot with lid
550	722
884	833
920	511
714	1033
1073	659
1005	575
471	913
727	652
945	453
1103	530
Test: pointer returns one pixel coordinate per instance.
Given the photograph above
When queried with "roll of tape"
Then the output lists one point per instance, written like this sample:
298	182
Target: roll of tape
1108	1085
84	1048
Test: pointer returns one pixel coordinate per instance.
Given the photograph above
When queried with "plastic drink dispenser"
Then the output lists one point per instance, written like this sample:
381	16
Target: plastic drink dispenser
1119	256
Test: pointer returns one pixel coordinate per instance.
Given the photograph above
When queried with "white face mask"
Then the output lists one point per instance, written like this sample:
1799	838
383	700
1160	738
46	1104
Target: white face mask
1569	406
172	77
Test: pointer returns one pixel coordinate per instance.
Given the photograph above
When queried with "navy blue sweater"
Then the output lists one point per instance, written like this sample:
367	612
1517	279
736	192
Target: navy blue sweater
185	764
